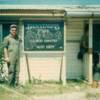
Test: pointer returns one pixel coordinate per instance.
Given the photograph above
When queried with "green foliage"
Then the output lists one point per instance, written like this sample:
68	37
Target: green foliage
1	54
1	62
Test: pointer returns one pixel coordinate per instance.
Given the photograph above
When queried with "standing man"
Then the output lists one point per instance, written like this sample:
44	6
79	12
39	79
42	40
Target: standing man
11	52
84	40
83	44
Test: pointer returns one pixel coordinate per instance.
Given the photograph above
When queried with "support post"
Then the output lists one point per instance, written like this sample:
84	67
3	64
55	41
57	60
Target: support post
90	50
64	58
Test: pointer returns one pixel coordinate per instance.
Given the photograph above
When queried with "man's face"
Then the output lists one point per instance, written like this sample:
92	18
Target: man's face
13	31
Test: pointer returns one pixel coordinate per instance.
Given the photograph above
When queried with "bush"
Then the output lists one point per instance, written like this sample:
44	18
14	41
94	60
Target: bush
1	62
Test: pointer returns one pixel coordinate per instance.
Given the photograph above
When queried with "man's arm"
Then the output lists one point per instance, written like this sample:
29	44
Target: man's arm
83	42
6	54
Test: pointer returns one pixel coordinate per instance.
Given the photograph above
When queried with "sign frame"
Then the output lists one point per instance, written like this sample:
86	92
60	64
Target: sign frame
47	21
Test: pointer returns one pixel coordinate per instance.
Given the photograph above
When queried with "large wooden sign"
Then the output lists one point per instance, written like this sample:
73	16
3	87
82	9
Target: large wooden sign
44	36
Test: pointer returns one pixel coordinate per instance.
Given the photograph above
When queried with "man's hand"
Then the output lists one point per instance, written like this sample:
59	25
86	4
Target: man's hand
7	59
6	55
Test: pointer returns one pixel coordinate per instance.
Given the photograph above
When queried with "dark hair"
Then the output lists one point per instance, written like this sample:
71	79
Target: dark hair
13	26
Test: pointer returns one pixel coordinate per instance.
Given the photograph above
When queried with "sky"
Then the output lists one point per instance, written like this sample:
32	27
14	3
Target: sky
52	2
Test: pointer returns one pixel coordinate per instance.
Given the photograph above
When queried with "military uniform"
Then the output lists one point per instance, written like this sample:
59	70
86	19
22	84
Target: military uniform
12	44
83	46
84	40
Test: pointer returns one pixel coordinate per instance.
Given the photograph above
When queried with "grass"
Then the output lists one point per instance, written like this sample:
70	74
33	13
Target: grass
9	95
96	96
40	89
51	88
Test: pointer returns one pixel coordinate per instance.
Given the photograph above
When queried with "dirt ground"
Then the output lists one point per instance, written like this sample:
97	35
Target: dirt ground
50	91
90	94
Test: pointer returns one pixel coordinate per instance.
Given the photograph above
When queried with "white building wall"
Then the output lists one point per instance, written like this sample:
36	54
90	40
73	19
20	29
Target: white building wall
46	66
74	33
42	67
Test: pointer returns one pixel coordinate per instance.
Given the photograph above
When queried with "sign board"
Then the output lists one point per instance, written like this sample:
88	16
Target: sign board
44	36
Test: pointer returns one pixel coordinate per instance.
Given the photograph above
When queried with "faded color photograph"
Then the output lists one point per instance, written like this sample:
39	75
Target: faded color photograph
49	49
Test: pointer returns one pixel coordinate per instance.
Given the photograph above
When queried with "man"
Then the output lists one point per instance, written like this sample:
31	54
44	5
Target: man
83	44
96	69
84	39
11	52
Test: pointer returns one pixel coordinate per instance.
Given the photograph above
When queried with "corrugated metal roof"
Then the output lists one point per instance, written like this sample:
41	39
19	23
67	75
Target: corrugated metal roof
43	7
51	2
74	7
83	11
52	7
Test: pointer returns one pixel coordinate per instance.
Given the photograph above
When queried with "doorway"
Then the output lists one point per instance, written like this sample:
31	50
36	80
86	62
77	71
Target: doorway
96	51
96	37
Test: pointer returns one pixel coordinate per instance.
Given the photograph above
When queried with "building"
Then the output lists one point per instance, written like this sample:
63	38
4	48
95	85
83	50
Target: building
52	55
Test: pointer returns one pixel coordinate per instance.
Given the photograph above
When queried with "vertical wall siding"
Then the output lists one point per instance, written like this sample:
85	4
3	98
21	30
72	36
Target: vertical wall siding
46	66
42	68
74	33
